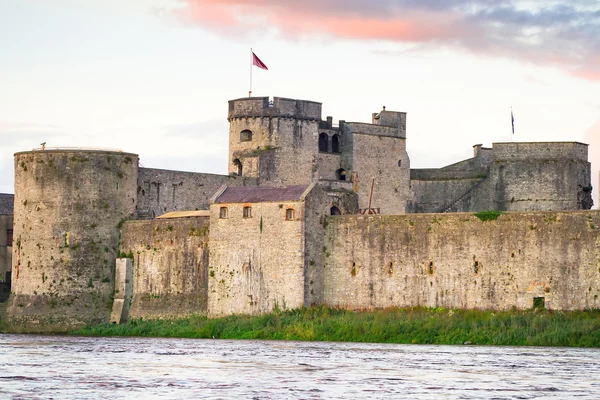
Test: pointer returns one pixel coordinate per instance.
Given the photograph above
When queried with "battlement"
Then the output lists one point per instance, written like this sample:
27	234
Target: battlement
540	150
394	119
278	107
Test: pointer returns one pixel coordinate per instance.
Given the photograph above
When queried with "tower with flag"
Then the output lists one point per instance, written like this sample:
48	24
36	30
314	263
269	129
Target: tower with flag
254	60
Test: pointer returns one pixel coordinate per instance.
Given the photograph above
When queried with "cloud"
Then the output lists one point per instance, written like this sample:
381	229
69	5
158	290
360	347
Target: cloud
564	34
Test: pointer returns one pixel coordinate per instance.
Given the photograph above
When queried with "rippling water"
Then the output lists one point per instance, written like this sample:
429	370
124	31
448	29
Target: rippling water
42	367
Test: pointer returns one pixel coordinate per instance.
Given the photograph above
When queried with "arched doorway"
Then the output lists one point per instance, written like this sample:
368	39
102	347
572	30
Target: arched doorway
335	144
323	143
238	165
340	174
335	211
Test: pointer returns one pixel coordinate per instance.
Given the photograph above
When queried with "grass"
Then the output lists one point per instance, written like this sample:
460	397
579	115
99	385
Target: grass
488	215
414	325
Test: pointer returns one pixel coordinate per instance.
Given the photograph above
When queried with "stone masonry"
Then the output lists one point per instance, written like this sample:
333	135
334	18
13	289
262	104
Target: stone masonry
283	230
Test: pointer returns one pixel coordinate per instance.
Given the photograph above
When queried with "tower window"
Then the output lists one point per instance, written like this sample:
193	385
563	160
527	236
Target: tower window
238	166
9	237
400	163
247	212
335	144
340	174
223	212
245	135
323	143
290	214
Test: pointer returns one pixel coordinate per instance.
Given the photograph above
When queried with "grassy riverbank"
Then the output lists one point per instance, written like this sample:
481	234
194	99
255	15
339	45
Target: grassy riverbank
422	326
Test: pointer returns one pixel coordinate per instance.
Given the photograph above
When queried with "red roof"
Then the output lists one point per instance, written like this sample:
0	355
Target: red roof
260	194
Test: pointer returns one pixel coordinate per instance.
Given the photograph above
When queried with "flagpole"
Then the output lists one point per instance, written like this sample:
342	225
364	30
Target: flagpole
250	92
512	123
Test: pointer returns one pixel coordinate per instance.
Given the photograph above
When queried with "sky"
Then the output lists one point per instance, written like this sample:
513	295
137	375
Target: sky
153	77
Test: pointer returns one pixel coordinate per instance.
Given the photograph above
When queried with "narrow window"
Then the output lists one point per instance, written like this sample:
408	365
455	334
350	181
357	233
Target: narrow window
245	135
400	163
247	212
323	143
335	144
9	237
290	214
238	166
340	174
223	212
335	211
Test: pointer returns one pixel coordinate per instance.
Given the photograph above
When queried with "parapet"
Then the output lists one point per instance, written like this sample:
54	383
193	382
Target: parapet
394	119
278	107
540	150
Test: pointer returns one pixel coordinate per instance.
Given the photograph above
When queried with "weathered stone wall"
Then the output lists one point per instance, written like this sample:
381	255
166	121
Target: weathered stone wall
317	205
282	150
540	184
458	261
170	263
257	263
161	190
329	164
509	177
450	195
68	204
384	158
280	107
6	223
540	150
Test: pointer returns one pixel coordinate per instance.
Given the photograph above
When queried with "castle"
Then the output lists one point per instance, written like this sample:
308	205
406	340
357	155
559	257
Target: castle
310	213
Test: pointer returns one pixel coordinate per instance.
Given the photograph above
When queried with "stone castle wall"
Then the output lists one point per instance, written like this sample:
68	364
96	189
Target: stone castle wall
540	184
536	150
256	263
170	264
508	177
68	205
6	223
283	145
458	261
161	190
385	159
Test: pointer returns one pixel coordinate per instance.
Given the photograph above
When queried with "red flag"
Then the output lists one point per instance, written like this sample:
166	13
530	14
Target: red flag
256	61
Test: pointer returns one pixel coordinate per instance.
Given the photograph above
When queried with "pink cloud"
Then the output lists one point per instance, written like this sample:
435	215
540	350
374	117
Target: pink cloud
496	29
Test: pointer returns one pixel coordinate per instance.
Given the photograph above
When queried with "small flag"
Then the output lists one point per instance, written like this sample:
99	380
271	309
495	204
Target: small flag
512	120
256	61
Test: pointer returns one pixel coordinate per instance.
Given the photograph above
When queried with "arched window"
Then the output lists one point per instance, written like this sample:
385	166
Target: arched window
335	211
238	165
340	174
223	212
290	214
335	144
323	143
245	135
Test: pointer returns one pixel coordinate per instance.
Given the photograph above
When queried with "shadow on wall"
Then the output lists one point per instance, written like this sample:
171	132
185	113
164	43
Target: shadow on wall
592	137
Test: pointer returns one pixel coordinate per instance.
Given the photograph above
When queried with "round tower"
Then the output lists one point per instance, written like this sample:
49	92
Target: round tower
276	141
69	205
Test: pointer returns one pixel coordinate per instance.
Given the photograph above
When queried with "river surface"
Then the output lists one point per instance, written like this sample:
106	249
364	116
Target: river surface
64	367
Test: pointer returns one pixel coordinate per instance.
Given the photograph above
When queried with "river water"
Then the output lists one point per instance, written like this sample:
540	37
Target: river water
63	367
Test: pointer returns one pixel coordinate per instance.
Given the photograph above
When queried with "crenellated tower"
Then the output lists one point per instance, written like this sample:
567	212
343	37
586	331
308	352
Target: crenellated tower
275	141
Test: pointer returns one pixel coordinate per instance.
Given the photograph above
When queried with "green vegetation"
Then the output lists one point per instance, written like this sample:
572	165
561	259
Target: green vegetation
488	215
416	325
